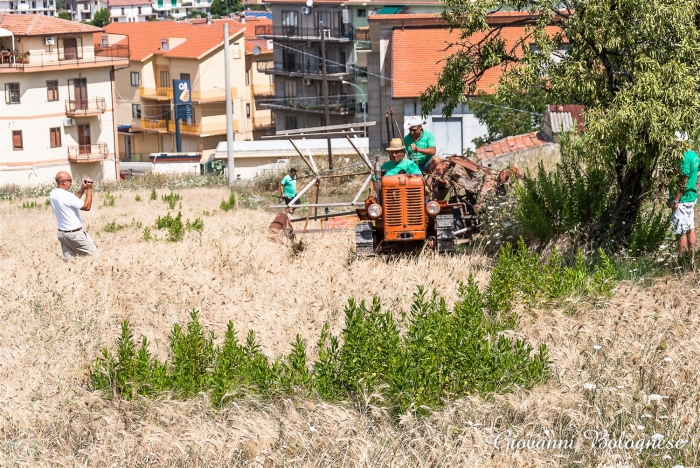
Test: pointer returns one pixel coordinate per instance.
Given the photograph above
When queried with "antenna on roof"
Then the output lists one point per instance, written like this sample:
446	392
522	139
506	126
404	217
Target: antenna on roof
208	18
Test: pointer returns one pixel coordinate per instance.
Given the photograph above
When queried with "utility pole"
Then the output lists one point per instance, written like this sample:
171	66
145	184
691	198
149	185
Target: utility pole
229	108
325	91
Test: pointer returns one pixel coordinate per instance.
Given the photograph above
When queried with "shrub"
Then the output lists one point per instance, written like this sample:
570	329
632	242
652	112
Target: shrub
114	227
109	200
147	234
154	195
176	228
171	199
138	198
30	205
230	204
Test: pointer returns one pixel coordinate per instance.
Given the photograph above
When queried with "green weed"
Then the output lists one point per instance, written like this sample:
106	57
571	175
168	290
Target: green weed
30	205
138	198
108	200
229	204
171	199
176	228
154	195
114	227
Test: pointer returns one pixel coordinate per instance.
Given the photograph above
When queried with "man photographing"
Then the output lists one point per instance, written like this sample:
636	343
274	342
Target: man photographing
67	207
421	145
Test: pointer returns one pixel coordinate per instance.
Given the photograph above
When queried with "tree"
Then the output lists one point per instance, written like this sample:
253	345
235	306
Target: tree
508	115
60	5
101	18
633	63
217	8
64	15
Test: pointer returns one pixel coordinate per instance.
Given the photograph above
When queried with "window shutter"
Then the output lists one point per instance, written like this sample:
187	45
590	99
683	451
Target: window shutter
17	139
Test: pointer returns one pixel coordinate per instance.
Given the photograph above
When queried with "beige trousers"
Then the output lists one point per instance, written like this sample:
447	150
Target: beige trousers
76	243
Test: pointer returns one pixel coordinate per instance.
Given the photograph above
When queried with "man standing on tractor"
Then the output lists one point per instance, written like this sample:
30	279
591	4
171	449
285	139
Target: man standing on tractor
421	145
397	163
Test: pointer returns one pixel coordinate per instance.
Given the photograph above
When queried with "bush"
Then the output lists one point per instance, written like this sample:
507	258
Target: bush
176	228
412	364
154	195
109	200
229	204
171	199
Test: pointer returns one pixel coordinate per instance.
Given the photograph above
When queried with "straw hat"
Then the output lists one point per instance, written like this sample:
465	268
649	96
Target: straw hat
396	144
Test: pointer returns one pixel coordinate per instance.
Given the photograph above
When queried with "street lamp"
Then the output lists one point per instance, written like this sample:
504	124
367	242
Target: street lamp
364	105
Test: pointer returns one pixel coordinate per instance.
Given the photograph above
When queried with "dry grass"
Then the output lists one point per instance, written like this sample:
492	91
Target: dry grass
56	317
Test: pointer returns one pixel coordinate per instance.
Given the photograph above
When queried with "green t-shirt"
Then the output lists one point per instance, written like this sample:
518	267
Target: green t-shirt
289	186
426	140
405	165
689	165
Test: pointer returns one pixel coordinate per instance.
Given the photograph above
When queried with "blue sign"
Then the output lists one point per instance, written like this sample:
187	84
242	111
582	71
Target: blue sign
182	99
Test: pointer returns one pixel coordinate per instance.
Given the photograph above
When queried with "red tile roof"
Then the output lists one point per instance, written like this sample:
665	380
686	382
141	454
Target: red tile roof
251	40
419	53
40	25
121	3
144	38
510	144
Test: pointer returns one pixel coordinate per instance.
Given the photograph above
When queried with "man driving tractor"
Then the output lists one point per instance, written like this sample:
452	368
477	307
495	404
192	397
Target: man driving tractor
397	163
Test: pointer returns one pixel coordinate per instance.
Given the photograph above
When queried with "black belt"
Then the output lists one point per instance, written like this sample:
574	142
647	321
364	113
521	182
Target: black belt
74	230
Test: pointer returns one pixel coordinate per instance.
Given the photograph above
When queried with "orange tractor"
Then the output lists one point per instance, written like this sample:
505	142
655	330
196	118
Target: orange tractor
410	211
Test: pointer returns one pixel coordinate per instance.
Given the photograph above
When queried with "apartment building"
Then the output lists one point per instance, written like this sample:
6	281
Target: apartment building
28	7
165	50
180	8
57	111
129	11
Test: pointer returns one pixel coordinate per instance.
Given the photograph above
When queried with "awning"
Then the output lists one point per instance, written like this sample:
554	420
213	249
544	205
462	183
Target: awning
123	128
391	10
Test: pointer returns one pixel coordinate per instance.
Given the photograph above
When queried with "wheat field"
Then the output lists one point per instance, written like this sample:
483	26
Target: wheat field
628	363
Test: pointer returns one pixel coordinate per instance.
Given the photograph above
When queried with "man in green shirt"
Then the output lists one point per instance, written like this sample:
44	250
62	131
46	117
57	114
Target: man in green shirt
288	188
682	201
397	163
421	145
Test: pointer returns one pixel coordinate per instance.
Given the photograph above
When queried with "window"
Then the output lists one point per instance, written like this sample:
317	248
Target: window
165	112
12	93
247	110
361	13
135	79
17	140
236	51
55	134
105	41
289	22
164	79
136	111
139	10
247	77
164	45
185	76
52	90
290	89
123	11
290	122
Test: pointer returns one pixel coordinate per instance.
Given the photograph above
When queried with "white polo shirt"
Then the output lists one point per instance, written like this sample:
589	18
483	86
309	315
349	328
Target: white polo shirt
66	207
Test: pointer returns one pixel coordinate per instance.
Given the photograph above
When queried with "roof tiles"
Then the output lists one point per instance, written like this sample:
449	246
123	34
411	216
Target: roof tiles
145	38
40	25
510	144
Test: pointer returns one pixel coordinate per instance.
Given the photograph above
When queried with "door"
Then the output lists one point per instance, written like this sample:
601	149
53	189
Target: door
164	79
448	135
80	93
84	138
70	48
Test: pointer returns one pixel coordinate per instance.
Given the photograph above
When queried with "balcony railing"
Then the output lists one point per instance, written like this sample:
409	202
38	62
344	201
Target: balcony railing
213	95
85	107
262	123
305	34
57	58
156	93
168	126
362	34
313	68
264	90
87	153
311	104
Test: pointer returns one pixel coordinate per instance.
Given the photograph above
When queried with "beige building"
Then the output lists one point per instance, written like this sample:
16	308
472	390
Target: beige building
58	107
163	51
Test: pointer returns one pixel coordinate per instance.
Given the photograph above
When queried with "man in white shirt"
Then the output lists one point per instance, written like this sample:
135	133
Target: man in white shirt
66	207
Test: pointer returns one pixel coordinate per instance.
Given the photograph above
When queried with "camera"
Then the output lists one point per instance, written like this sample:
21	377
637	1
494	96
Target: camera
86	181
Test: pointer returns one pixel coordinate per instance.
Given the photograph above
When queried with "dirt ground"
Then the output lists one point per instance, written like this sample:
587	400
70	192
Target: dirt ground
610	360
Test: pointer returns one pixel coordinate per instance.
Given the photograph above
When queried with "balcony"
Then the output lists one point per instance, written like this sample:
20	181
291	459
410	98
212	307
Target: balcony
200	129
213	95
87	153
311	69
159	94
264	90
61	57
263	123
295	33
85	107
362	34
336	105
